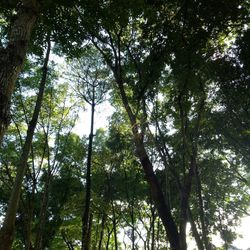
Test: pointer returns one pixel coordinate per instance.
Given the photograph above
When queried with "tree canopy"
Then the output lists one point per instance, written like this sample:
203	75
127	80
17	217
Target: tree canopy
171	167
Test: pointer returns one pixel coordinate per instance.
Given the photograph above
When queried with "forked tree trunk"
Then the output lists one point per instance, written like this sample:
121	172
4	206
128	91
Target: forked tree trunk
12	57
7	231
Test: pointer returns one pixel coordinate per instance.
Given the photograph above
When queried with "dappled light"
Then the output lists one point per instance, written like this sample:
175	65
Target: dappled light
124	125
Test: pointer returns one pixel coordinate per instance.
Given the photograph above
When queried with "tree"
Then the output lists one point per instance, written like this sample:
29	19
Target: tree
92	87
136	77
7	231
178	69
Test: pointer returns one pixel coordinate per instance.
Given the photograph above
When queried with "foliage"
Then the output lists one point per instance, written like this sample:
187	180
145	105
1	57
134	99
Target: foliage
184	70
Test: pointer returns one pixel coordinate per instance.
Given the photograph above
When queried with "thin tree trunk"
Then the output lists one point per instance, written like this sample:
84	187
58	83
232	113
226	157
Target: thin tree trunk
12	57
185	194
96	233
66	240
153	228
201	210
42	216
102	231
89	228
158	233
183	218
29	211
130	201
108	240
133	223
114	226
195	231
85	218
7	231
29	217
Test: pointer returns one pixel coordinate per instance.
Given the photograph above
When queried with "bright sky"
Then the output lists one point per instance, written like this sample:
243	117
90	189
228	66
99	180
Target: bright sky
244	230
102	114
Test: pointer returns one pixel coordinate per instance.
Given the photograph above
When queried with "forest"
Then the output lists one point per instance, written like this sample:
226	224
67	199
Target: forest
170	170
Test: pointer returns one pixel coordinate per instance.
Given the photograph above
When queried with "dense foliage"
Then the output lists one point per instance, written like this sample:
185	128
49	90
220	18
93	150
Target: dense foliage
173	164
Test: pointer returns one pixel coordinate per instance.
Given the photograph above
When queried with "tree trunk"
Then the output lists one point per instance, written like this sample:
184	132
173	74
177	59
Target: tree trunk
195	231
158	233
156	191
85	218
114	226
42	216
90	228
153	228
132	223
7	231
102	231
130	201
201	210
66	240
183	218
12	57
108	239
29	217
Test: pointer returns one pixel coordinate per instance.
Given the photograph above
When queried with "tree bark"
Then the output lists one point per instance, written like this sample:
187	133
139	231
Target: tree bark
7	230
12	57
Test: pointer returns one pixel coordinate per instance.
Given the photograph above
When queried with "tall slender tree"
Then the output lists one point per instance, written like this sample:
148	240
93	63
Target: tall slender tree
92	87
7	230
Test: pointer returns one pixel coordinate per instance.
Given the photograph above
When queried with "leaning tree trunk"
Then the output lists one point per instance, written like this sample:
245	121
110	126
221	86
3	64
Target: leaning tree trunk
156	191
7	230
12	57
162	207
